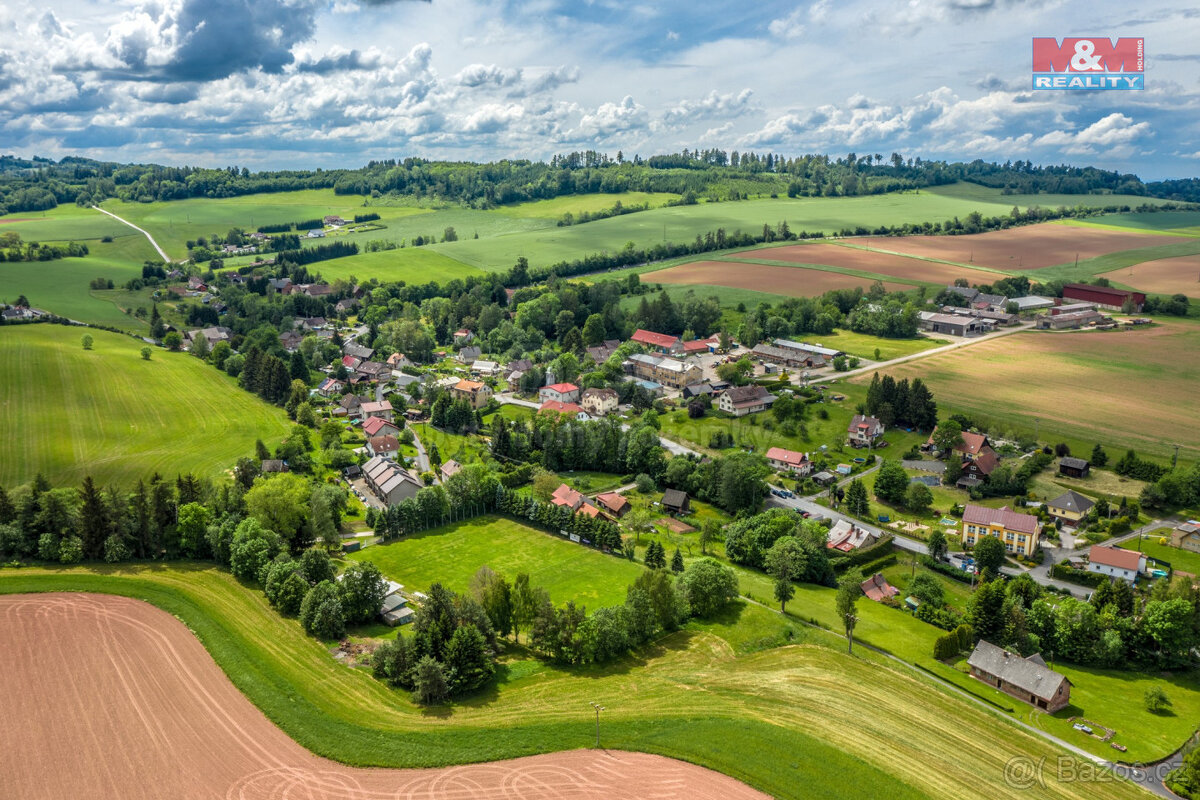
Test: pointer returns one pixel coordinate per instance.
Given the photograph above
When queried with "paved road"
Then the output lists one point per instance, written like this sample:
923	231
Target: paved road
166	259
422	459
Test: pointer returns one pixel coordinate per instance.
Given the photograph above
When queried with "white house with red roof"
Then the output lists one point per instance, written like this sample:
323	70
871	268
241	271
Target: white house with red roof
559	393
864	430
1116	562
380	426
568	409
782	460
657	342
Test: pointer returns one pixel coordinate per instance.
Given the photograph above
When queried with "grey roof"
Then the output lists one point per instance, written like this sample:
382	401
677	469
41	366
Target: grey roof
990	299
1072	462
1032	301
808	348
1023	673
965	291
1072	501
674	498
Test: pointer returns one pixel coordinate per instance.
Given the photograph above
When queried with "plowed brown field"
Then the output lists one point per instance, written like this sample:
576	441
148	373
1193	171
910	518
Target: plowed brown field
857	258
1026	247
1165	276
791	281
108	697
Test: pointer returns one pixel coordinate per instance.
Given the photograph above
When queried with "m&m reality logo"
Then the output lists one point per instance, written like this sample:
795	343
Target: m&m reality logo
1089	63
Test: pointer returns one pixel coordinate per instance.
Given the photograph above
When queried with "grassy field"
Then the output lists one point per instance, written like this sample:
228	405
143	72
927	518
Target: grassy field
804	720
864	345
555	207
1177	557
106	412
463	449
1128	388
413	265
451	555
1173	222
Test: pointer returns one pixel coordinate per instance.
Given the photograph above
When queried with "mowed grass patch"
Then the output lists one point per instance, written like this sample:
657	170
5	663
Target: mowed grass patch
1126	388
1177	557
450	555
797	721
554	207
69	412
62	224
1164	276
413	265
864	345
766	278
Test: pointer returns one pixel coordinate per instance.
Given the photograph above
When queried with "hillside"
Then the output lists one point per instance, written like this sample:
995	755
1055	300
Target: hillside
70	412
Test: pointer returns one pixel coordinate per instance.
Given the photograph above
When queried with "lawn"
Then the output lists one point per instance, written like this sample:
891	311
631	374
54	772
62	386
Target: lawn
1171	222
554	207
1128	388
864	345
1177	557
451	554
413	265
463	449
793	721
109	413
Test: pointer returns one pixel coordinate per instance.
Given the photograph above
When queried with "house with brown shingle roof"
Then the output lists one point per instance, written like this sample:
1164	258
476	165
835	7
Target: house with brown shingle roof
613	503
1027	679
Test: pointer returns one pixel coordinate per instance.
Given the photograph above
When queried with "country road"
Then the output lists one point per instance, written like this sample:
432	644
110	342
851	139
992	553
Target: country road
166	259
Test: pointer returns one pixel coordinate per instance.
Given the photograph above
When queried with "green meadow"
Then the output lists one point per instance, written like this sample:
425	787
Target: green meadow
107	412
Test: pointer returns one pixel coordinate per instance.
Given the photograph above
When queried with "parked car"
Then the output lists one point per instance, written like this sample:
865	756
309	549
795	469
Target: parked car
1079	726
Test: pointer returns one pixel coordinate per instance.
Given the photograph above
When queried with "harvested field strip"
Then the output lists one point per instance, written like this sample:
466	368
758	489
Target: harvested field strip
786	280
858	258
195	735
1128	388
1085	270
1028	247
1162	276
789	719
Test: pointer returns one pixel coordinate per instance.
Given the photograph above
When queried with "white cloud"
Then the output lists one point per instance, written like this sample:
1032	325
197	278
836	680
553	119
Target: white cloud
1114	133
789	27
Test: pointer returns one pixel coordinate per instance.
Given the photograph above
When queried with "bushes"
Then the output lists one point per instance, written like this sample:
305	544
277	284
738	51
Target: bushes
321	612
1065	572
863	554
954	643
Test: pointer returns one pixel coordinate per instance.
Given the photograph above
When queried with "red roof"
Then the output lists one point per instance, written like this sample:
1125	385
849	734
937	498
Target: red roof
562	388
612	501
1010	520
786	456
696	346
1117	557
560	408
877	588
375	424
566	496
654	339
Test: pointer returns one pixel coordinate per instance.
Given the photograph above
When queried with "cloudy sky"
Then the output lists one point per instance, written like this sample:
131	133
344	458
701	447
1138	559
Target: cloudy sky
303	83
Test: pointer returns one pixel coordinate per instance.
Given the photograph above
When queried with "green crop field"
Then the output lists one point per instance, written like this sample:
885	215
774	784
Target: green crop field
413	265
70	412
1170	222
804	720
1128	388
451	555
555	207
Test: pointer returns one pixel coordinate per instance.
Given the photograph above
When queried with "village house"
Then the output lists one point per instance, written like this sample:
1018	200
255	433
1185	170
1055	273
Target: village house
1018	532
599	402
863	431
351	406
474	392
212	336
358	351
782	460
521	365
743	400
469	354
1116	562
378	426
1027	679
845	537
462	336
1186	536
351	362
331	387
657	342
573	410
603	351
1104	296
877	588
389	481
374	371
345	305
449	469
566	497
380	409
334	219
666	371
615	504
399	361
270	465
988	302
316	233
559	393
976	469
311	323
676	502
383	446
484	368
290	341
1074	467
1070	507
280	285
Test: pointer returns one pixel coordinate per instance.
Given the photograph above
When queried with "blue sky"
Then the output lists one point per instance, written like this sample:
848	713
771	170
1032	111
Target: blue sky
303	83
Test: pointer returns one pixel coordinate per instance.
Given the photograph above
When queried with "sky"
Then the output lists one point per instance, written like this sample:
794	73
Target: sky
276	84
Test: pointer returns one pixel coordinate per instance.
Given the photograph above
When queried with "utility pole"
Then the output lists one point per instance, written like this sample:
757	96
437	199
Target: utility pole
598	708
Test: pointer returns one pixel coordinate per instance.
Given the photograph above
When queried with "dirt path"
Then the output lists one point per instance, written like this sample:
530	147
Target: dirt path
166	259
109	697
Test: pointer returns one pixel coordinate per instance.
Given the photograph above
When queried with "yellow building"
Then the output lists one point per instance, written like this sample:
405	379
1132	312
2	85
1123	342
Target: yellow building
1070	507
1018	532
